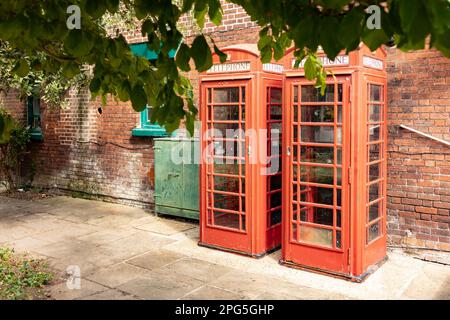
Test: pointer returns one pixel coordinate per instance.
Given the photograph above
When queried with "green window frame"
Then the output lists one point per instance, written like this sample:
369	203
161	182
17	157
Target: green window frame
147	128
34	117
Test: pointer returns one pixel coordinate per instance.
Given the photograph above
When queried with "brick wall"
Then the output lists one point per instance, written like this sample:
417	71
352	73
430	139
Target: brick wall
85	151
418	167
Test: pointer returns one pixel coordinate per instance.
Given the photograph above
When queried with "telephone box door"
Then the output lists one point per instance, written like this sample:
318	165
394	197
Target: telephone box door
317	205
224	113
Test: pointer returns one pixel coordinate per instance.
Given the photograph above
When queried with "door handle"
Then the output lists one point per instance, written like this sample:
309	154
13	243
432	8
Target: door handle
288	151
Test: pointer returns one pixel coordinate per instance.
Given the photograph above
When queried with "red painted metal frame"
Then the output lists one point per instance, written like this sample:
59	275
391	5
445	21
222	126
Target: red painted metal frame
257	238
359	256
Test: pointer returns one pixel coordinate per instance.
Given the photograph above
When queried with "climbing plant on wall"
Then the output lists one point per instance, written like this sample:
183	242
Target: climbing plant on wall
39	29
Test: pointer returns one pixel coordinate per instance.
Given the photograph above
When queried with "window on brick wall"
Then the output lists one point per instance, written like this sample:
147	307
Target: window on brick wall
147	128
34	117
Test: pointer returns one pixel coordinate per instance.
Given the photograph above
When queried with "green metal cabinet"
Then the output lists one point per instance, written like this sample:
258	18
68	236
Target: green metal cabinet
177	182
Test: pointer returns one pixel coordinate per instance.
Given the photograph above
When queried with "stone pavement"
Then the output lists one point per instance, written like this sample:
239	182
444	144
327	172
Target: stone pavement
127	253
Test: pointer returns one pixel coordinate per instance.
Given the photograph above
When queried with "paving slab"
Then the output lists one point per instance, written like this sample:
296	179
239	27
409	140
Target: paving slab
197	269
155	259
87	288
110	295
161	286
118	274
166	227
433	282
212	293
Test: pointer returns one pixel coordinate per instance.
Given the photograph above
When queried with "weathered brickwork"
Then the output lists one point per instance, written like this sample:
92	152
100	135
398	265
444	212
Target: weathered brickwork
89	152
418	167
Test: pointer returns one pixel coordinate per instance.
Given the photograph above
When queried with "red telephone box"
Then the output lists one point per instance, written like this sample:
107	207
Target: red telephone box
334	155
240	172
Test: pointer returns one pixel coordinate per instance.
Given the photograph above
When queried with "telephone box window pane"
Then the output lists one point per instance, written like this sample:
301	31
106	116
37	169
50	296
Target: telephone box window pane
275	113
374	211
225	168
375	93
295	114
317	175
296	94
374	172
313	94
339	156
317	236
275	217
338	239
275	95
338	218
228	220
339	135
375	112
226	95
339	176
374	152
374	191
317	154
275	182
317	113
339	197
243	94
319	195
226	113
339	117
275	199
374	133
222	201
373	232
228	130
317	134
226	184
294	232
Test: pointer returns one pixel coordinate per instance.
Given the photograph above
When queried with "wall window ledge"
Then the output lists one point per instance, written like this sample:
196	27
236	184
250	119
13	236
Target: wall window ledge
149	131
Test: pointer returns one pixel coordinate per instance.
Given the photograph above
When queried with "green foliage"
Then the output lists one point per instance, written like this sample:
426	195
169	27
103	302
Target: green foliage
14	140
38	29
21	277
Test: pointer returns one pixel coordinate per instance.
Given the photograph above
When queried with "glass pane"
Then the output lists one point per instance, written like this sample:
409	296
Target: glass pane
319	195
227	130
275	95
374	152
339	176
317	154
275	217
226	184
312	94
339	120
228	220
317	175
317	113
226	113
222	201
227	168
339	156
373	232
338	218
375	113
275	113
338	239
317	134
229	149
295	114
374	211
374	191
375	93
225	95
339	197
275	199
374	171
275	182
294	232
375	133
316	236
